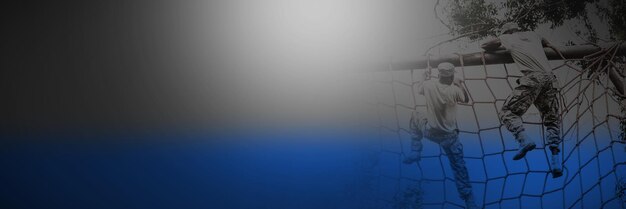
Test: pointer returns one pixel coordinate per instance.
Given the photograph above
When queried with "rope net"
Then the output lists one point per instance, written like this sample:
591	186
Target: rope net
593	153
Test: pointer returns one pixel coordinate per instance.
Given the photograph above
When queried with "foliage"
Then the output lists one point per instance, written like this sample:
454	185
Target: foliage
616	16
477	19
474	18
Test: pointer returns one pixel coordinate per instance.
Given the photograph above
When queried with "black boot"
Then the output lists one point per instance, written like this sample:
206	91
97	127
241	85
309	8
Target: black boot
526	145
555	163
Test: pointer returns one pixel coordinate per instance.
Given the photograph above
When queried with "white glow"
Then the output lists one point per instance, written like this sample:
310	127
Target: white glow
293	58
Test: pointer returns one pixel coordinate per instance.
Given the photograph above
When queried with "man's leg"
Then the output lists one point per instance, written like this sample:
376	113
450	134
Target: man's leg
548	106
514	107
454	150
416	126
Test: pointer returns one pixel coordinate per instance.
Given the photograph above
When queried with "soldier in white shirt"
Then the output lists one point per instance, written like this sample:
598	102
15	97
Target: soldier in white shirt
538	86
438	124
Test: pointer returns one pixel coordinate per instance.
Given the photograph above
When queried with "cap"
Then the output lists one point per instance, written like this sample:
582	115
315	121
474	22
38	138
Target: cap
446	69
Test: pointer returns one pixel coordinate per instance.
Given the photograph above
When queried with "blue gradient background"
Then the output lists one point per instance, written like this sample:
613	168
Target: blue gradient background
261	171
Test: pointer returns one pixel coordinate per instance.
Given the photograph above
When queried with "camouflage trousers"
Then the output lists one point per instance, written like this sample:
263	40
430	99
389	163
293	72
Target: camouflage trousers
540	89
449	142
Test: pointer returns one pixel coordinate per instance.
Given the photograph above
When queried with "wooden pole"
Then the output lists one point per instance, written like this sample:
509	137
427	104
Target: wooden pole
496	57
502	56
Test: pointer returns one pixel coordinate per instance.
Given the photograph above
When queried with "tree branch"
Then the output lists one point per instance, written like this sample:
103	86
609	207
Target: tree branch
438	18
455	38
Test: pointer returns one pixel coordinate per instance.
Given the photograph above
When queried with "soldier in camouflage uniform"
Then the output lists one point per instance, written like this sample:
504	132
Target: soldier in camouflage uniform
439	126
538	86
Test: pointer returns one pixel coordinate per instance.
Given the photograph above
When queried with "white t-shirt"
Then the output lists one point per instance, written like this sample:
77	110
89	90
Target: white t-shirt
441	100
527	50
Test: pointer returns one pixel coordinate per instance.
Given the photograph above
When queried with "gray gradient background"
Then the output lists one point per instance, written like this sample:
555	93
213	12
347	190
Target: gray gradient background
204	65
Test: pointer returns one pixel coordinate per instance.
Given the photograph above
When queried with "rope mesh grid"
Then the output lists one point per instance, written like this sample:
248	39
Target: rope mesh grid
592	154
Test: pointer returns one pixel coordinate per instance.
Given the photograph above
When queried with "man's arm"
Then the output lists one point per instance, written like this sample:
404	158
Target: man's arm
492	45
420	88
459	82
546	43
